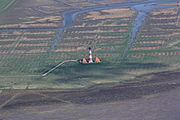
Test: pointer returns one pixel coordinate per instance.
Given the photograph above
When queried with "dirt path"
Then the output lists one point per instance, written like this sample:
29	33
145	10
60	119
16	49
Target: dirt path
66	61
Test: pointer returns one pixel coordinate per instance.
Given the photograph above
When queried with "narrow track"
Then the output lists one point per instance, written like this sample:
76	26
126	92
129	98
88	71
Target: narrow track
66	61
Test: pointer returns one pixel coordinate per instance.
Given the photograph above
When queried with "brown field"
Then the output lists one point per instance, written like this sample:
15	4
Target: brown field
100	31
112	13
151	42
169	11
140	55
146	48
101	24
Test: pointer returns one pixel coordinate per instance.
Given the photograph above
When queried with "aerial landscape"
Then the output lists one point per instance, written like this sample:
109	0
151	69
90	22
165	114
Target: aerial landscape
89	59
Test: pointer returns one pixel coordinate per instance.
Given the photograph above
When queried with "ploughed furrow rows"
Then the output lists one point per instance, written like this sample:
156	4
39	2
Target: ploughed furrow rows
112	13
103	30
158	38
25	40
171	53
29	42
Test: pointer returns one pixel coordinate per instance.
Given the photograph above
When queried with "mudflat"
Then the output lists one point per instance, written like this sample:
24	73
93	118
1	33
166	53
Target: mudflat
154	99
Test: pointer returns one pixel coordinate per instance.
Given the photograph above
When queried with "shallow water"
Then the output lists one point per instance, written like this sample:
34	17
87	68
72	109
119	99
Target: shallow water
143	8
